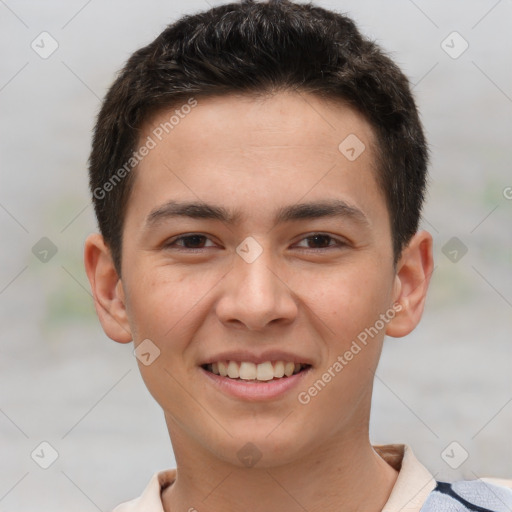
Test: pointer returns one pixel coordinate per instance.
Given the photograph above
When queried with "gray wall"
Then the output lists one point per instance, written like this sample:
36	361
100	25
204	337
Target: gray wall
64	382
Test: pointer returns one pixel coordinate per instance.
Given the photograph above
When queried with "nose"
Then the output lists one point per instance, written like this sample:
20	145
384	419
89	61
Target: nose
255	296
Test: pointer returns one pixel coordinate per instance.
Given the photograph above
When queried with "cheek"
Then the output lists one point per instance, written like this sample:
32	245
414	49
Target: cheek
164	308
350	305
163	298
348	300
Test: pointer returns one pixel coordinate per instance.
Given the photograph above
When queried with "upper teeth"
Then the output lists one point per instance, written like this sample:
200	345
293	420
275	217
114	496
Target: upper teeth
250	371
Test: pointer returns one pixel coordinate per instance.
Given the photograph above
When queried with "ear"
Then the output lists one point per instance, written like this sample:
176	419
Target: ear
412	279
107	289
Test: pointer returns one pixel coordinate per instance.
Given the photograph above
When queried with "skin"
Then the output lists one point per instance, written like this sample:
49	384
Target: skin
256	156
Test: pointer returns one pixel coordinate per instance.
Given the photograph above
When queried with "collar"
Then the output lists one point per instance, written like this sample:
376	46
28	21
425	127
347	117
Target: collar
414	482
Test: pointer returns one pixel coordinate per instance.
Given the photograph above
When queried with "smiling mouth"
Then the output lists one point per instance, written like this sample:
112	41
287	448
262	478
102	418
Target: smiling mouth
262	372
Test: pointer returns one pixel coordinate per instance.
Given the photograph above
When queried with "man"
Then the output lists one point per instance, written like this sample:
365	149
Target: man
258	173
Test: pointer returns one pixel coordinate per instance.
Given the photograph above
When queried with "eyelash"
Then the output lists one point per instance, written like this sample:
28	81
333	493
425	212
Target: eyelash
173	246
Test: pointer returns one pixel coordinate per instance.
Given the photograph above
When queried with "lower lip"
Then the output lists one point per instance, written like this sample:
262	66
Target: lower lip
256	391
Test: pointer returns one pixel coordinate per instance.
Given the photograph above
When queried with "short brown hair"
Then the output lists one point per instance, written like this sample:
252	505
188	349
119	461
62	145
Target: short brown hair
255	48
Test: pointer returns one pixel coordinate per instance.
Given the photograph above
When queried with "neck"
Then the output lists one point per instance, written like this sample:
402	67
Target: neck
332	478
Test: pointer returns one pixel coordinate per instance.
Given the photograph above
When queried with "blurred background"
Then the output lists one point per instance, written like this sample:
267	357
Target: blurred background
71	400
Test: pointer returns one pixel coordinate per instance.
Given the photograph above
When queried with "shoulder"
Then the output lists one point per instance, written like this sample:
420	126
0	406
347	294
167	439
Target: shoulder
483	495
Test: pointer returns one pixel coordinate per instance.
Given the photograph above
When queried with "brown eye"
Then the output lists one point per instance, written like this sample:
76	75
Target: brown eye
320	241
189	242
193	241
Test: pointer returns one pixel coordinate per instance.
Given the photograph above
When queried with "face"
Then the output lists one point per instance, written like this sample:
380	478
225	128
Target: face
255	244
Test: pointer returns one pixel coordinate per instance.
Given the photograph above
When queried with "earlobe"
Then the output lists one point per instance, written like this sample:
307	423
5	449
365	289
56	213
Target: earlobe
411	284
107	289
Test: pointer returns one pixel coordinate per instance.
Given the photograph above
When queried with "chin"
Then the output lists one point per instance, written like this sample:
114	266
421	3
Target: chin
261	450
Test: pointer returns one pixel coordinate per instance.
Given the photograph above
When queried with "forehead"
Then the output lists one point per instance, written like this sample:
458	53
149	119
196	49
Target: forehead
272	149
300	122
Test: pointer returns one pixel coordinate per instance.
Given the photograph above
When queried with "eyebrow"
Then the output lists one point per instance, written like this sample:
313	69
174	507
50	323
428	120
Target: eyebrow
296	212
